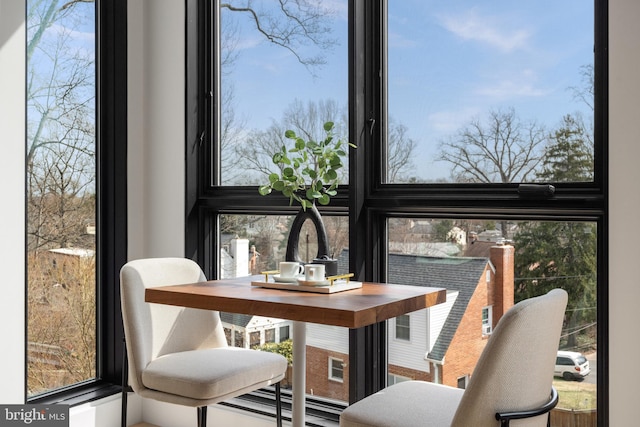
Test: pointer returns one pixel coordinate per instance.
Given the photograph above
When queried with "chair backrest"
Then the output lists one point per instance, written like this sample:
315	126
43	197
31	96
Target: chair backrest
152	330
515	370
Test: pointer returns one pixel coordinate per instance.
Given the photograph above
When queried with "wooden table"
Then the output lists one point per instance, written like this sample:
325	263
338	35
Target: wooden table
372	303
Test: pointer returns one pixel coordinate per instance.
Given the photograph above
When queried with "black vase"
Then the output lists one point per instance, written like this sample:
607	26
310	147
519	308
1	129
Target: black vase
322	257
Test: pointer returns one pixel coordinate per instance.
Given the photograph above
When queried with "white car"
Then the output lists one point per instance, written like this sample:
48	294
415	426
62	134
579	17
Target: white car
571	365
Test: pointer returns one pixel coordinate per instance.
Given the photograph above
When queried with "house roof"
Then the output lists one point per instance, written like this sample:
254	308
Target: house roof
241	320
478	248
452	273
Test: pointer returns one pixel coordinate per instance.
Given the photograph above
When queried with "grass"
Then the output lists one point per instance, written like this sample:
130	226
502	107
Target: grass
576	395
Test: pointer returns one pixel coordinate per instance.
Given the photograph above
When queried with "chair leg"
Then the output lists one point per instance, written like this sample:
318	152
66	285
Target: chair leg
125	387
278	406
202	416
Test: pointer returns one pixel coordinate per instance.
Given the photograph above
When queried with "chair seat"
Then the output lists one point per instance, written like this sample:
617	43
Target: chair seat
212	373
406	404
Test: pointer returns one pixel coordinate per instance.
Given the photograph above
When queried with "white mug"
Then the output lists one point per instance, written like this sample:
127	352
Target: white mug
290	269
314	272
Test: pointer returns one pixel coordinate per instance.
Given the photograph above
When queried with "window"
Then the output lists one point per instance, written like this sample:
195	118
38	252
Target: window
270	335
61	177
463	381
76	179
336	369
422	87
403	327
284	333
487	320
395	379
254	339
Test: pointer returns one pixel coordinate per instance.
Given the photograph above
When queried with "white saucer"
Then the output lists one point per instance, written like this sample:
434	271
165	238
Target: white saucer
277	278
313	282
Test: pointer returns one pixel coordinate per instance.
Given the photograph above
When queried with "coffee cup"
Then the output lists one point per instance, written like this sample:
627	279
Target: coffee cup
314	272
291	269
330	265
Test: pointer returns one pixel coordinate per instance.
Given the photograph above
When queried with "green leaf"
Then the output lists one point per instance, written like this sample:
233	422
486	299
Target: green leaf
300	144
331	192
264	190
287	172
273	177
313	194
319	186
278	185
290	134
331	175
324	200
328	126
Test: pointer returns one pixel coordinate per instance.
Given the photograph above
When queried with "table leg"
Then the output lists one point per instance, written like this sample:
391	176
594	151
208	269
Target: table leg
299	372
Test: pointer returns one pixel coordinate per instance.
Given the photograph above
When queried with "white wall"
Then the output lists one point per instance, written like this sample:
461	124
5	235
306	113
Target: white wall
156	128
624	201
12	193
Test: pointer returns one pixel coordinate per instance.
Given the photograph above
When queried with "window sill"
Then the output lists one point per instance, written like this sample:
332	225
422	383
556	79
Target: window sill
77	394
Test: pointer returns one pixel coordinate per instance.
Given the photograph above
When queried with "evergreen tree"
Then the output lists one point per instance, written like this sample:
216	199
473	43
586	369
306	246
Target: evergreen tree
569	157
562	254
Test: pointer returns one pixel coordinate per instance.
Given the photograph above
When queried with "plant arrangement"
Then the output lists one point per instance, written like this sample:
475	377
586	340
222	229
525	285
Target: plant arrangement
309	170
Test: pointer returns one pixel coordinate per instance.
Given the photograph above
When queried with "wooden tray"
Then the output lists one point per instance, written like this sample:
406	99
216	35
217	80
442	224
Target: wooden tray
336	284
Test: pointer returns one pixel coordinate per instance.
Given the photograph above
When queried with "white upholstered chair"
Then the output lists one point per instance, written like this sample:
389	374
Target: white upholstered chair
180	355
512	381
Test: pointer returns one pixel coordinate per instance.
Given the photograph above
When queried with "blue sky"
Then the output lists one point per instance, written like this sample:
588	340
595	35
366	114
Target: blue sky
449	62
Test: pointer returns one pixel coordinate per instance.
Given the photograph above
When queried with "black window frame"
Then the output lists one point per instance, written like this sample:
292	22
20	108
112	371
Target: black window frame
368	200
111	208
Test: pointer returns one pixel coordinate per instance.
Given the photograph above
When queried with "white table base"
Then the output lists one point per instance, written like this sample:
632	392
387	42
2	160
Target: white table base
299	333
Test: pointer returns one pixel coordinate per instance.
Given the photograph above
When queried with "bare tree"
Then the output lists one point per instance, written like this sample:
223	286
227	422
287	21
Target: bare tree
400	152
291	24
256	151
503	149
254	154
585	92
61	131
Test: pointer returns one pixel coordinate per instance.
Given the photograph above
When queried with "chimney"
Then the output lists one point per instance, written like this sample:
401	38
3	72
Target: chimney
501	256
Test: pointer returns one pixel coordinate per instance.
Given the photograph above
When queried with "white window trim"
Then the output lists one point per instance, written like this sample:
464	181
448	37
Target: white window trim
487	327
330	373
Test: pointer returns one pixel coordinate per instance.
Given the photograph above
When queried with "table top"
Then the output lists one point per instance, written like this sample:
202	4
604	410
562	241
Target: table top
372	303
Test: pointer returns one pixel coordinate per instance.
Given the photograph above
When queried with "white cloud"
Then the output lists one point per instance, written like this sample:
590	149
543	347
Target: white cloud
486	29
398	41
447	122
522	85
